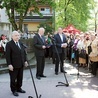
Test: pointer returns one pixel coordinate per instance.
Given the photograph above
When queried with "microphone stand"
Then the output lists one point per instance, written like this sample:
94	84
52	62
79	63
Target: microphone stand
37	96
71	54
78	74
60	83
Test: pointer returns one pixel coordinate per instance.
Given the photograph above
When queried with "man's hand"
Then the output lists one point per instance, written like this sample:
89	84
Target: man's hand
43	47
64	45
26	64
10	67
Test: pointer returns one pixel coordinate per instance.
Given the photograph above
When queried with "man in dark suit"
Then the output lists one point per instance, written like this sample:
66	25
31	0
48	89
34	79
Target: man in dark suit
61	44
16	60
39	49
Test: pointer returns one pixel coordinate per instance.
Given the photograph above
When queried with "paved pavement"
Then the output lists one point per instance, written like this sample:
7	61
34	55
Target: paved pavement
84	87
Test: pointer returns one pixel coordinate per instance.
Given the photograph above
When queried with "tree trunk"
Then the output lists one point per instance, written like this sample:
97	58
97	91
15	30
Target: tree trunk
21	22
12	16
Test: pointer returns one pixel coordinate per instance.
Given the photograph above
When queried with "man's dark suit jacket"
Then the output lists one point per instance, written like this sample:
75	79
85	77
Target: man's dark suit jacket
15	56
58	42
38	43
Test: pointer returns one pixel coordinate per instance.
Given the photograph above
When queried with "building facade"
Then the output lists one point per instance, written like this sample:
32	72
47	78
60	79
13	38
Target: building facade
5	26
31	22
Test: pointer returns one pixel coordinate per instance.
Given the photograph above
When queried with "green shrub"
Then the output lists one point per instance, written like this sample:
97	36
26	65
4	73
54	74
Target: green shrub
29	44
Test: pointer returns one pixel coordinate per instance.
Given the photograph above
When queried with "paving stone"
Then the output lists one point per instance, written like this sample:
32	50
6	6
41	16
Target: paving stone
83	87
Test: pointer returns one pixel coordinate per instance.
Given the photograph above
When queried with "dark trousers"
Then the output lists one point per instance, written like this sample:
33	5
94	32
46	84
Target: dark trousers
77	56
16	78
69	53
53	57
87	59
40	65
57	62
94	67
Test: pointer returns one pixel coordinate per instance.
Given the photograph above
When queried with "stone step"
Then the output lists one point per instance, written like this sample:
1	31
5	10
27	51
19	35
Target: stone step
4	68
3	60
32	64
3	65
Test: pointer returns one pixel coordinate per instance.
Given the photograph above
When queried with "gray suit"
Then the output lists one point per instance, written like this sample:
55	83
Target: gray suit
38	42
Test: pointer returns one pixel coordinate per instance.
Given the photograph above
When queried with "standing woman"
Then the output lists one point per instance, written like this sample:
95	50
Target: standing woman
87	42
75	49
82	51
94	54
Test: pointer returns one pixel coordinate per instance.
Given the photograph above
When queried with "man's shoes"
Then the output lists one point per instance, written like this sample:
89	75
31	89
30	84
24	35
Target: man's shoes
30	97
56	73
21	91
15	93
38	77
63	71
43	76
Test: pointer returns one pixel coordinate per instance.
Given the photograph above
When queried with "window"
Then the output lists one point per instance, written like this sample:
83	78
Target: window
42	9
45	10
26	28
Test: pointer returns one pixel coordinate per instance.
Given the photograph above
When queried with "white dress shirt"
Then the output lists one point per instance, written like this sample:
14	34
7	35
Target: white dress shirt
61	36
17	43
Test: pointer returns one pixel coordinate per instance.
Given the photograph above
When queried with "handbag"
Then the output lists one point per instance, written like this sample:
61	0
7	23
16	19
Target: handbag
89	48
82	54
73	55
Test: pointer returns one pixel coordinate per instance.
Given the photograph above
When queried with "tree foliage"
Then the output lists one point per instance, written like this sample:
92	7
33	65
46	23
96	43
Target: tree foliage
74	12
48	28
94	15
21	7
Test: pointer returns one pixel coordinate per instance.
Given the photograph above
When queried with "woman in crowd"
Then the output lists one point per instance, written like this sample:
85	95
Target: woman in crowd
3	41
82	51
94	55
75	49
70	43
87	42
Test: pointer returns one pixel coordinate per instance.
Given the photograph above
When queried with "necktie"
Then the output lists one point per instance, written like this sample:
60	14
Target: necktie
17	44
42	39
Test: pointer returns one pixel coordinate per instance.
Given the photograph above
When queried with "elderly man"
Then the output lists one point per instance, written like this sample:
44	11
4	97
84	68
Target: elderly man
39	47
16	60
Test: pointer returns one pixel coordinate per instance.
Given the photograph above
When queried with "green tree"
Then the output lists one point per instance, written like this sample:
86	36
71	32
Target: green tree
48	28
74	12
21	7
94	15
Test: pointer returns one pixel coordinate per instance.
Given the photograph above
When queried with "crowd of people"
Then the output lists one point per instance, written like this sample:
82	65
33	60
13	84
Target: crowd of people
84	46
3	42
80	49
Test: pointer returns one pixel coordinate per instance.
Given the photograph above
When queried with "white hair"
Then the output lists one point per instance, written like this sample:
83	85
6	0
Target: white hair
41	29
14	32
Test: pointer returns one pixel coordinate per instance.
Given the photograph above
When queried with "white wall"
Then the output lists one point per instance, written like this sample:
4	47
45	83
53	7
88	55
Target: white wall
3	16
5	26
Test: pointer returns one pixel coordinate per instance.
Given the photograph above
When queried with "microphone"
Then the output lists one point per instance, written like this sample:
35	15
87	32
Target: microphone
25	46
51	37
